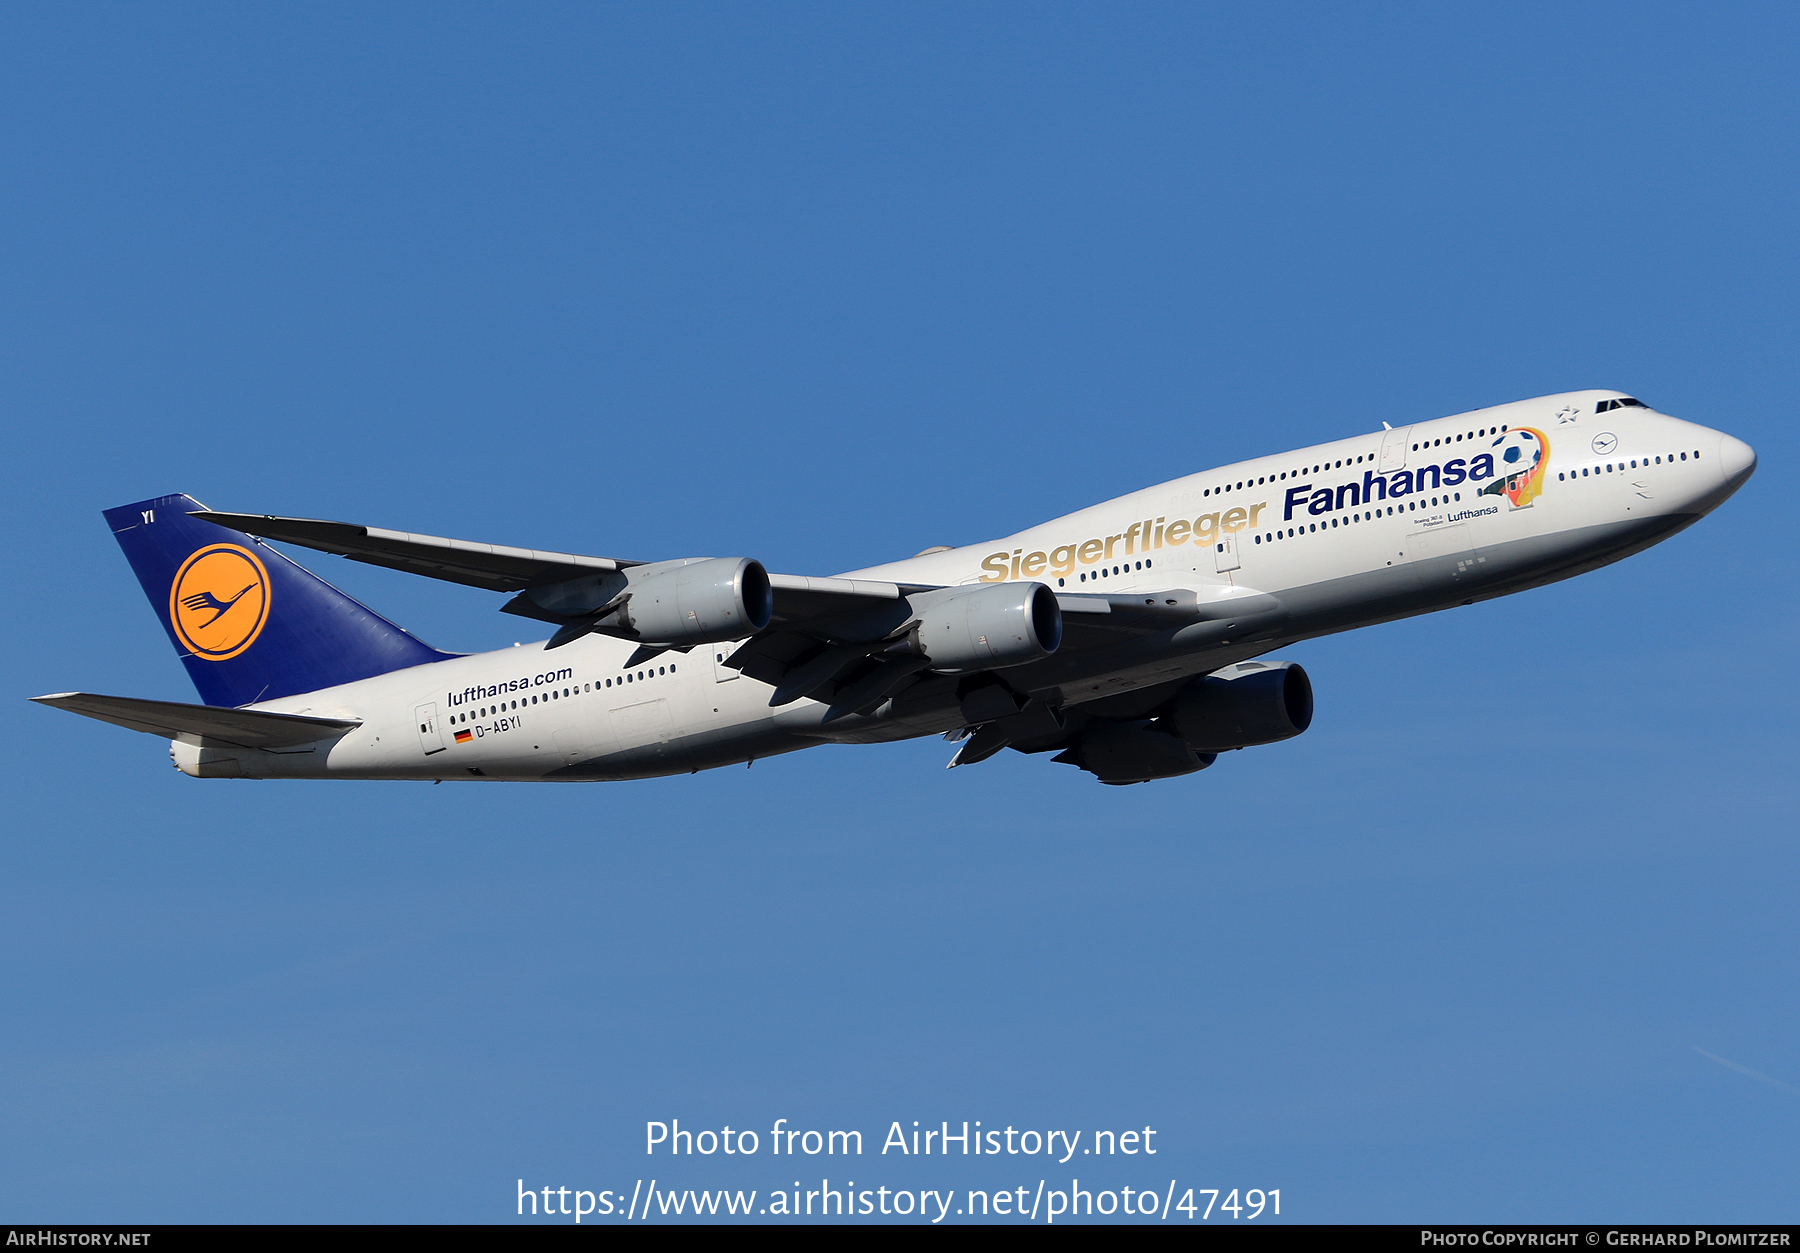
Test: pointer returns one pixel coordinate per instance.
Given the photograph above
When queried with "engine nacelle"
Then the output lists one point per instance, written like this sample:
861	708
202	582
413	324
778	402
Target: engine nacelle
1254	702
697	602
987	628
1126	752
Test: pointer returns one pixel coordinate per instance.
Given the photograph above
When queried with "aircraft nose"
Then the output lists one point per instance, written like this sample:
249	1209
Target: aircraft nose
1736	459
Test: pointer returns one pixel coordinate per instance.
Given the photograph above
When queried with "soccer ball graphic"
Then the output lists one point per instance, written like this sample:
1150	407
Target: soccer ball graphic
1520	457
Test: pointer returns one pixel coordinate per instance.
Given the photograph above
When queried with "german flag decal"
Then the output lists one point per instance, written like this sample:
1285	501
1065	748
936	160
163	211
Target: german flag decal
463	737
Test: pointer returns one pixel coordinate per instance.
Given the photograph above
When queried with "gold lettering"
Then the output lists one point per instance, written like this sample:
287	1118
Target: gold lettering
1062	560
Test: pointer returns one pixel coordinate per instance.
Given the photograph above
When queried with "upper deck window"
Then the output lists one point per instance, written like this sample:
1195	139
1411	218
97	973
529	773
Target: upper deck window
1622	402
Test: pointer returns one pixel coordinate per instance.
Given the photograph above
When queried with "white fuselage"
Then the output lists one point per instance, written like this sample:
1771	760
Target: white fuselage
1339	535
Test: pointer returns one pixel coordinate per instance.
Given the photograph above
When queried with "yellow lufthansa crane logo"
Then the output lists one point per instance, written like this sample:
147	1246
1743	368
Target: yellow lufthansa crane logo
219	601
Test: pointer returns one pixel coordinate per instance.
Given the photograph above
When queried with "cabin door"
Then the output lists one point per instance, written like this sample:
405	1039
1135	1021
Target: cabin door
1393	450
723	673
431	735
1225	552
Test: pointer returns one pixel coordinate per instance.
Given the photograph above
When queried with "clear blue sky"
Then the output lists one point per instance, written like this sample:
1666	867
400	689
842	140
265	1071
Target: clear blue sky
824	286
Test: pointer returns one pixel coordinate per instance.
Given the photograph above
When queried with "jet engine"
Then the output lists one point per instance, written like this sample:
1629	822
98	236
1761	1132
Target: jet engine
986	628
1131	752
699	600
1253	702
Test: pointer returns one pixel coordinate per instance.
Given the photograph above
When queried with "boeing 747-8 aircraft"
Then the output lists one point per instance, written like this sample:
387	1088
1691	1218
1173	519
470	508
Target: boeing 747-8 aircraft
1124	638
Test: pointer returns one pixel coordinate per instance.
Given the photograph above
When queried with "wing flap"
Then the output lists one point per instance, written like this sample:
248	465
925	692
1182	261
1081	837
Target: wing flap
245	728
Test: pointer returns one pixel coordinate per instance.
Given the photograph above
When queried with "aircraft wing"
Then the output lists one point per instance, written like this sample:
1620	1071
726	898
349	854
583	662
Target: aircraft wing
246	728
495	567
798	598
825	636
813	660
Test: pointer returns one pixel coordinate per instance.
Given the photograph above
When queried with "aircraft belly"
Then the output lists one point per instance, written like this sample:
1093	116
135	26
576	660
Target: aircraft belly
725	746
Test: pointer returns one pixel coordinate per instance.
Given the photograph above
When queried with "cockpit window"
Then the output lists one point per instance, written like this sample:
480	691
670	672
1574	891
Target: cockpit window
1621	403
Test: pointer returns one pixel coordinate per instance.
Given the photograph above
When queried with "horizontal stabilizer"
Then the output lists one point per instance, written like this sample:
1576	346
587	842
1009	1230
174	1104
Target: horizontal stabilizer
246	728
493	566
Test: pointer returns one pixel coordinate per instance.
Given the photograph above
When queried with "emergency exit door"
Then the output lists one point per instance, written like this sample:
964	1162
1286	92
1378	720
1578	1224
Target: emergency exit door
1225	552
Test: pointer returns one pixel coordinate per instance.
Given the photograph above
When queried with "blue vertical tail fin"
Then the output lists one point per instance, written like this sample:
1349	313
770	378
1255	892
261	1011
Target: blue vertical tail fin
248	623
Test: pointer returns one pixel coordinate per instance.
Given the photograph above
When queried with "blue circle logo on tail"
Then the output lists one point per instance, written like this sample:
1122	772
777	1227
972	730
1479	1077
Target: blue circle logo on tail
219	601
